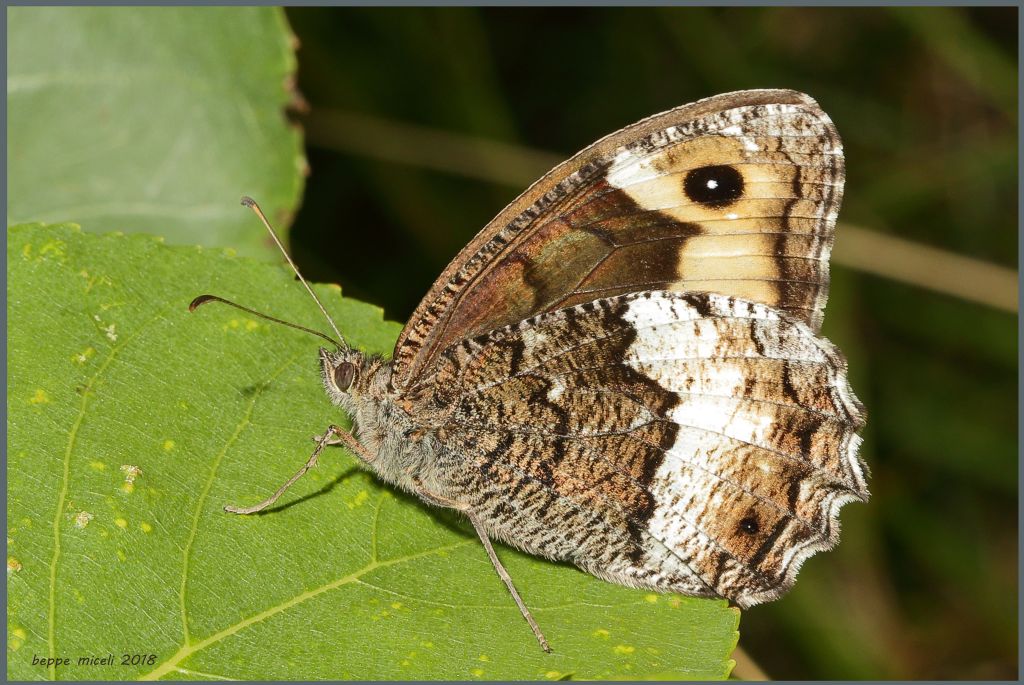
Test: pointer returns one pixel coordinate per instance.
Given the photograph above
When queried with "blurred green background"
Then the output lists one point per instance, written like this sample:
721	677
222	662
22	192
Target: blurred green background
422	123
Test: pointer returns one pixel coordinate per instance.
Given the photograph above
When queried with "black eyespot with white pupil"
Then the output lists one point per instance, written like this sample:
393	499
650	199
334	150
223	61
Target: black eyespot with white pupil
344	374
749	525
714	186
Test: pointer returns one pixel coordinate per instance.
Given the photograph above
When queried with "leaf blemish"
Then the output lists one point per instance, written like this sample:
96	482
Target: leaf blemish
84	356
39	397
358	500
82	519
168	445
120	523
146	528
13	565
624	649
130	474
57	248
97	466
18	637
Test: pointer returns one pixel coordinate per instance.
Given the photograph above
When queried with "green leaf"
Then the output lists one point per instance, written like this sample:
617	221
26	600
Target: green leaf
132	422
152	119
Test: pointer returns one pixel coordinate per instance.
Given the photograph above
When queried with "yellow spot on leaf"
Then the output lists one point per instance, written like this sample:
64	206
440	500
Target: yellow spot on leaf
84	356
13	565
26	250
40	397
601	633
121	555
97	466
128	487
251	325
110	332
359	499
55	248
168	445
146	528
104	534
553	675
396	605
651	598
484	657
478	672
120	523
675	602
82	519
428	645
20	633
624	649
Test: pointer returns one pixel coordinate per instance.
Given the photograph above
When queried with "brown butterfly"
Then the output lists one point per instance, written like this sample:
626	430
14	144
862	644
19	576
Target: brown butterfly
623	369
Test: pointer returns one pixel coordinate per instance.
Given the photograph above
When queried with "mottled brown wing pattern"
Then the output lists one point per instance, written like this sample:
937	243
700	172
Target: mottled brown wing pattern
736	194
696	443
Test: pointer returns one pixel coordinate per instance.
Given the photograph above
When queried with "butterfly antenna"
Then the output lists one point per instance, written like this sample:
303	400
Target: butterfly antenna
251	204
203	299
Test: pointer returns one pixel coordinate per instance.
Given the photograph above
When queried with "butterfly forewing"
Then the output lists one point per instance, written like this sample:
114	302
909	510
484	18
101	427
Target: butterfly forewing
689	442
736	194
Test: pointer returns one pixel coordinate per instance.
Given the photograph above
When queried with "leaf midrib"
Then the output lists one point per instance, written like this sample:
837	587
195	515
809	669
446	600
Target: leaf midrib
51	627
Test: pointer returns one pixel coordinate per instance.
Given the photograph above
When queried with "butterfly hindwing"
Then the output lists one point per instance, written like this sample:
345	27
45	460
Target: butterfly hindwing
697	443
735	194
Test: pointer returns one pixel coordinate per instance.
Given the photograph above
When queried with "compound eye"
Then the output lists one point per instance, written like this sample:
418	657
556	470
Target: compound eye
344	374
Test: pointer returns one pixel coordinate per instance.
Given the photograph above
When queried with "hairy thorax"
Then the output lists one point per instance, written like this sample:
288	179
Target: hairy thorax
405	452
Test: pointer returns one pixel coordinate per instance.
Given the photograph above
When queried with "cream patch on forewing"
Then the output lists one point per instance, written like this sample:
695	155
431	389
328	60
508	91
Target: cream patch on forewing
710	259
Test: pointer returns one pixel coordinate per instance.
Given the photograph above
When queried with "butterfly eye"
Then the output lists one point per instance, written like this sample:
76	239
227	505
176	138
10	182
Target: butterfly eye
714	186
344	374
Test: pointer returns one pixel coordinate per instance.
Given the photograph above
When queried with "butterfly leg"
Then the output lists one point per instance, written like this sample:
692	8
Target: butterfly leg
333	435
507	579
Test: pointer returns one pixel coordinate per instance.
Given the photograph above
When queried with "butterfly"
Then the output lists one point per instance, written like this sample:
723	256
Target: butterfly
623	370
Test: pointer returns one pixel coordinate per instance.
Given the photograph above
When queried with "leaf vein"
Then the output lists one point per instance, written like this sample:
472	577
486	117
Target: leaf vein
51	627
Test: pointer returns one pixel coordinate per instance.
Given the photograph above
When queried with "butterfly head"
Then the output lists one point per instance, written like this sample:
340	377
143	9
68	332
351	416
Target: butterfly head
349	374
